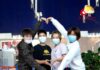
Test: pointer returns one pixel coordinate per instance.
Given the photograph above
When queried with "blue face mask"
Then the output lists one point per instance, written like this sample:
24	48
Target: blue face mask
42	39
72	38
56	41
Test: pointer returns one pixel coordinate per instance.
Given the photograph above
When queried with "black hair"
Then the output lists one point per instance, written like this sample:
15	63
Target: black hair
56	32
42	31
76	31
27	31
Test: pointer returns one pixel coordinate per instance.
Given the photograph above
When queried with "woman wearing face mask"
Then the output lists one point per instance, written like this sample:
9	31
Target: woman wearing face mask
42	52
59	50
73	57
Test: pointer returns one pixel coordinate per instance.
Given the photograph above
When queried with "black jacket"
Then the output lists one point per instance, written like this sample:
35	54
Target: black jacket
25	56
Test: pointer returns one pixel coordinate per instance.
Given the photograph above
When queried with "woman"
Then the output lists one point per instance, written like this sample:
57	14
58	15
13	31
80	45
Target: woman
58	51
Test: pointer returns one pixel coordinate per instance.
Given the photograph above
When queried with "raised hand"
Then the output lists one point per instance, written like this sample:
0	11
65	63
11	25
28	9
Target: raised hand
48	19
44	19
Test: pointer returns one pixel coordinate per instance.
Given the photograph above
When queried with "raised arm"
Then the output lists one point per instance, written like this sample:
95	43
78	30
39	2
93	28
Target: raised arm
36	28
59	26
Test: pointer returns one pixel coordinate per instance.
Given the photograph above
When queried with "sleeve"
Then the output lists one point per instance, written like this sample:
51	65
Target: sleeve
69	57
60	27
35	53
63	49
28	57
36	28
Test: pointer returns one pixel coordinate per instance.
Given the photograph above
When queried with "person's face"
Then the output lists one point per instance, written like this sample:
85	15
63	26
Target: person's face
28	37
42	37
55	39
72	37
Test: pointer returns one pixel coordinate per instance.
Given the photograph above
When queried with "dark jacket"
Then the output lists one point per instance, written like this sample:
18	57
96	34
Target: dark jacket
25	56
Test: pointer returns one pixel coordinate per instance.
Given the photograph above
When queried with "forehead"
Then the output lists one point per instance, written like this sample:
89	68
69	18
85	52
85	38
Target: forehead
28	35
55	35
72	33
42	34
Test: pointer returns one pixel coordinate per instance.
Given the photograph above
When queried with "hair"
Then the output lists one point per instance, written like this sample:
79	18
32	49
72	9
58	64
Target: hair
76	31
27	31
42	31
56	32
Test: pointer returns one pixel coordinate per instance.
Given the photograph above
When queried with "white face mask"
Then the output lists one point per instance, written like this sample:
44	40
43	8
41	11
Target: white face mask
56	41
28	41
42	39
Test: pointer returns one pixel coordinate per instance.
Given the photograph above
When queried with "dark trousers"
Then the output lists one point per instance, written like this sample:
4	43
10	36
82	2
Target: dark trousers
22	66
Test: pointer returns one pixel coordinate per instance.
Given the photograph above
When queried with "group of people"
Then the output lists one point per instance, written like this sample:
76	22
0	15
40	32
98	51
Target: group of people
42	56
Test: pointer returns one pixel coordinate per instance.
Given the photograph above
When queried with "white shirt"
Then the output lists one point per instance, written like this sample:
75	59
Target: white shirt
58	52
73	57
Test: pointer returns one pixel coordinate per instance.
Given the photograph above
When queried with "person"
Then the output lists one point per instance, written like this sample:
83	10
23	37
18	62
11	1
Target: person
73	57
59	50
25	50
42	51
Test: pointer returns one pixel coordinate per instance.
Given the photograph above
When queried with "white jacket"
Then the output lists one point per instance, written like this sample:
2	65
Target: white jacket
73	57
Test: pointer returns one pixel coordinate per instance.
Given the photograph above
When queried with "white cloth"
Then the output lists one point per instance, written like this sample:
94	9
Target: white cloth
58	52
73	57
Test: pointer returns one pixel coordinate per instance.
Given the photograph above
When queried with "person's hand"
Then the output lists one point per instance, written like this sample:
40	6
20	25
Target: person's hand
48	19
53	61
43	19
46	62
